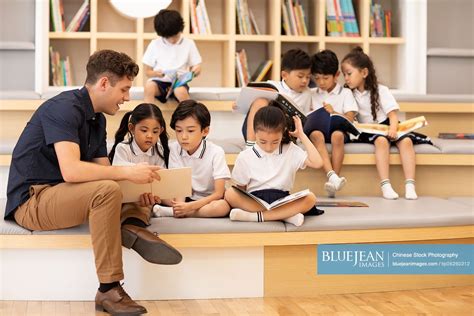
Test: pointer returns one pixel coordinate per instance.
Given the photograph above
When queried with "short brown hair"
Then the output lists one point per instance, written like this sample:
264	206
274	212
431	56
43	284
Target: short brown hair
112	64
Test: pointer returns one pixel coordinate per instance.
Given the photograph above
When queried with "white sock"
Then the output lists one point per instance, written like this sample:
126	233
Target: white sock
162	211
387	190
337	181
330	189
410	193
297	219
249	144
237	214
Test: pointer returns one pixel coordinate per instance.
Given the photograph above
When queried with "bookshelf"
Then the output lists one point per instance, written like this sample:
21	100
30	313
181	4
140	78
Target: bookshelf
400	60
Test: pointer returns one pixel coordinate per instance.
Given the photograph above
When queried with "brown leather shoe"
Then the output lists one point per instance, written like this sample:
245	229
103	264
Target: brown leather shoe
117	302
149	246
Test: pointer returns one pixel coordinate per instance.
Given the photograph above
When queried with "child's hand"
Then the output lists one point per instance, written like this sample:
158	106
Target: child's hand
159	73
148	199
328	108
298	132
181	209
392	133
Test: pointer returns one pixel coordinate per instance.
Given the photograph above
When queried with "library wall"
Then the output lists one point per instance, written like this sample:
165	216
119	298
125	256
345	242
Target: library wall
17	42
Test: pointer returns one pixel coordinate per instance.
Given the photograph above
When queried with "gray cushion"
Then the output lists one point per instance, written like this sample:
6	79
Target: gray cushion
455	146
170	225
19	95
466	200
381	213
10	227
77	230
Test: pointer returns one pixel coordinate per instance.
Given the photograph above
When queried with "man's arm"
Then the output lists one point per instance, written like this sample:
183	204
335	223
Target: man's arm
104	161
75	170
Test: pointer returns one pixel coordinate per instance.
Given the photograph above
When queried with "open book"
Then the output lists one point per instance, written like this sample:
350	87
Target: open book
404	127
326	123
257	90
277	203
174	183
178	80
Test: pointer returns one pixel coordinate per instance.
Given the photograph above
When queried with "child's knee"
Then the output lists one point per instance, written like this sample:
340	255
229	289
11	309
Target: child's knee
316	136
381	142
337	138
310	199
405	142
150	88
229	195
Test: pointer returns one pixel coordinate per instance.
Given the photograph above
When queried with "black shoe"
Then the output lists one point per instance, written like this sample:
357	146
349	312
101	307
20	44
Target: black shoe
314	211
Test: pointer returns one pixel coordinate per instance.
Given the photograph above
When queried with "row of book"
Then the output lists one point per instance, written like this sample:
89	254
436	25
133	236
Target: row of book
380	21
341	19
246	23
60	69
77	23
293	17
242	69
200	23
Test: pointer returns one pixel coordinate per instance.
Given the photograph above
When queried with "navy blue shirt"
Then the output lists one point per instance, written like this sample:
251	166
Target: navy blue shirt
68	116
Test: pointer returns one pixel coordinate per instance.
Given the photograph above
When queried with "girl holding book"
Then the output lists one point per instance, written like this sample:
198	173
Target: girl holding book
267	170
377	105
147	142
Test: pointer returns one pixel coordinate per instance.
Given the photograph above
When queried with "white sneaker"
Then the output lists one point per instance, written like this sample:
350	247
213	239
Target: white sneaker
330	189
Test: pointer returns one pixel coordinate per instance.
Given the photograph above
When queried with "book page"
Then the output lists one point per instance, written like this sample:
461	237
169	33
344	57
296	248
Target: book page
250	195
248	95
174	183
290	198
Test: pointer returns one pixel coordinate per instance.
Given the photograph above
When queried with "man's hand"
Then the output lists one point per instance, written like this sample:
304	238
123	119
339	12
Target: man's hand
148	199
142	173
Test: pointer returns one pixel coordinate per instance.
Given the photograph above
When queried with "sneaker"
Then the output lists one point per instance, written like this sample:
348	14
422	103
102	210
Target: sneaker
330	189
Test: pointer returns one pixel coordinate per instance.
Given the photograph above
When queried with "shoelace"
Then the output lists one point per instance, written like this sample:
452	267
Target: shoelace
122	292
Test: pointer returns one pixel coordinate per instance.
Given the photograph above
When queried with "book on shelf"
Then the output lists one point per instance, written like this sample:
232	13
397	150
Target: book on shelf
242	68
80	18
261	71
456	135
404	127
60	69
266	90
246	22
294	20
340	203
326	123
200	23
280	202
56	9
173	183
380	20
178	80
341	19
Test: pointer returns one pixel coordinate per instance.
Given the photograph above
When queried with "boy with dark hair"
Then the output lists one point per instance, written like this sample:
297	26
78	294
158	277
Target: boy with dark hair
335	99
168	56
296	75
191	121
60	177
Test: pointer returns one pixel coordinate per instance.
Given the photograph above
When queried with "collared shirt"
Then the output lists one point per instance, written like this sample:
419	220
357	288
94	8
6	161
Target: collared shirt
340	98
68	116
387	104
162	55
207	163
301	99
129	153
259	170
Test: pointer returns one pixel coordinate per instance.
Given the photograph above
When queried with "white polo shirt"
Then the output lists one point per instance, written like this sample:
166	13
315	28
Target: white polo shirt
340	98
259	170
301	99
387	104
126	154
161	55
208	164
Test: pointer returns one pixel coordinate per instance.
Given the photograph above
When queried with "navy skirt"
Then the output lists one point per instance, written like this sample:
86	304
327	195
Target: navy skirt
271	195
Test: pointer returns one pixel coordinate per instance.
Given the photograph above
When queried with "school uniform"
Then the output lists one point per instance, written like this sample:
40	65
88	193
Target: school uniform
387	104
270	176
207	162
301	99
341	100
162	55
127	153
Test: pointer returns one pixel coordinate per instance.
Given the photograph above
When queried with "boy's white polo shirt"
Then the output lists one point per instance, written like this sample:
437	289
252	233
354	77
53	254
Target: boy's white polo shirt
340	98
301	99
162	55
207	164
387	104
259	170
129	153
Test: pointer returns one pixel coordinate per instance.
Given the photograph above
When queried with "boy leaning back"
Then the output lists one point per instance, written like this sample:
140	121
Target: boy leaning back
335	99
168	55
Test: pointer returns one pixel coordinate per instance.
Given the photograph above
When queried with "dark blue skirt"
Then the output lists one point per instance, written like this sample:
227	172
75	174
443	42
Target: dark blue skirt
271	195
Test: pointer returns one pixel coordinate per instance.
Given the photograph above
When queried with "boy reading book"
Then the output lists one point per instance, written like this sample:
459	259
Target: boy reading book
335	109
296	74
171	51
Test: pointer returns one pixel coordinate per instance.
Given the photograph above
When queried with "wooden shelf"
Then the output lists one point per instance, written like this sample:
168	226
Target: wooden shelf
299	39
69	35
254	38
386	40
344	40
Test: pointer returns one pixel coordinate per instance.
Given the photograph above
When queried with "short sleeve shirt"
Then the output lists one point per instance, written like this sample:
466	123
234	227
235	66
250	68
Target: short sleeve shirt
162	55
68	116
387	105
340	98
207	163
127	153
301	99
259	170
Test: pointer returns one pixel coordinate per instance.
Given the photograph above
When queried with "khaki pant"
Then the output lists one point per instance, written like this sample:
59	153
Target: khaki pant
71	204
